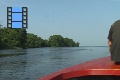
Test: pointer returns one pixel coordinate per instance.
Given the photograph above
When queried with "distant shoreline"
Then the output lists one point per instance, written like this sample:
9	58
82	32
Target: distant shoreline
49	47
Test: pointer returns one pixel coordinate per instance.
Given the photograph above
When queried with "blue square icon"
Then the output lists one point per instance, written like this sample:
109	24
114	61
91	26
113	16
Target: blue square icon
16	9
16	24
16	16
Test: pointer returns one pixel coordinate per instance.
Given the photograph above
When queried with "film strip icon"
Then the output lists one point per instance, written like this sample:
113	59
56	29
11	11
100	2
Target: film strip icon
17	17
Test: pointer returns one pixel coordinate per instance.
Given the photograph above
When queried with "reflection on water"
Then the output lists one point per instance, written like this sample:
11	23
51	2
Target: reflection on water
5	53
13	64
31	64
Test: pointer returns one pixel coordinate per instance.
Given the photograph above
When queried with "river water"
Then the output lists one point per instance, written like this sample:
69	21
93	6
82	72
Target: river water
31	64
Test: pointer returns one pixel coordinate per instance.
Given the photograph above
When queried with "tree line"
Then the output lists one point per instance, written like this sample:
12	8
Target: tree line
19	38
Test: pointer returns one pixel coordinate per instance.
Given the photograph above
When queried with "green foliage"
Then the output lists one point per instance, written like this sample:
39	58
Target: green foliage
19	38
56	41
33	41
11	38
59	41
45	43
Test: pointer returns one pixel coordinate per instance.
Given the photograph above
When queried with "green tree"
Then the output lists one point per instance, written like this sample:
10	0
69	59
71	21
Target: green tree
77	44
33	41
69	42
1	43
45	43
21	37
12	38
59	41
7	38
56	41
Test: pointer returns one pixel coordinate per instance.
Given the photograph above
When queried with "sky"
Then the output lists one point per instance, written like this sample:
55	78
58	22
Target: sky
85	21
